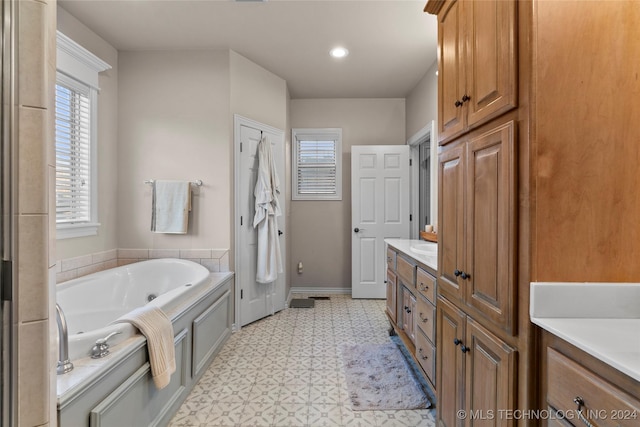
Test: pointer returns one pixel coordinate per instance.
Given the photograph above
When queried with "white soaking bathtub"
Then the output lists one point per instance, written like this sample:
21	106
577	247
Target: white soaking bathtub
92	302
117	389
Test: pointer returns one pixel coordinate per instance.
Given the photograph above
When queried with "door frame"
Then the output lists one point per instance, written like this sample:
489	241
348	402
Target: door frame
239	121
427	133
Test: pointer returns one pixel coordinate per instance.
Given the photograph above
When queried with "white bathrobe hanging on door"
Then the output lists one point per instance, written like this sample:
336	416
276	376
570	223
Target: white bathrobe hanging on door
267	209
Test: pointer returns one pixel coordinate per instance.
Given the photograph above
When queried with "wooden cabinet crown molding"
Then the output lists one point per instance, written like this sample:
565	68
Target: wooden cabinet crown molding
433	6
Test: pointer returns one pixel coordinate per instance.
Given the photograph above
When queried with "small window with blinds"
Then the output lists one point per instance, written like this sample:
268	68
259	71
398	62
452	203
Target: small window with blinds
76	208
317	164
73	155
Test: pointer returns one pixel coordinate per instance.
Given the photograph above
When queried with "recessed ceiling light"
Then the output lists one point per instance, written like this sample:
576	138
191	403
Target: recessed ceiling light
338	52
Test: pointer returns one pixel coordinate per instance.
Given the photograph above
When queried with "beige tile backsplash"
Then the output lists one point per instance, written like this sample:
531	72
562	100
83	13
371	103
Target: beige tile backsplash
213	259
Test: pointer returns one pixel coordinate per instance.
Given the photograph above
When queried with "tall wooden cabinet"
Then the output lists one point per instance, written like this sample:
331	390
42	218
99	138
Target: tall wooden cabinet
551	86
477	223
484	339
476	371
477	63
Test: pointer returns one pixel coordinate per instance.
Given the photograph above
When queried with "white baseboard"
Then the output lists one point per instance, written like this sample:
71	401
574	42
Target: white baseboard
318	290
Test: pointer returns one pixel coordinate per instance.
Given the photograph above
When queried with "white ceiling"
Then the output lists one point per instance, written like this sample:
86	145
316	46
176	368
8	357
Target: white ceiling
392	43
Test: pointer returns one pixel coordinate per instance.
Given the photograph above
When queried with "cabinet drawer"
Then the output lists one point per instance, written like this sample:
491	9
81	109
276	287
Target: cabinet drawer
426	318
426	284
604	404
426	355
406	271
555	420
391	259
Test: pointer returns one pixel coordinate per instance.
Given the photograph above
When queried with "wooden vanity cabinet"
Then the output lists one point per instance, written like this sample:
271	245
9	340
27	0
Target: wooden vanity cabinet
476	253
476	370
411	290
477	64
608	397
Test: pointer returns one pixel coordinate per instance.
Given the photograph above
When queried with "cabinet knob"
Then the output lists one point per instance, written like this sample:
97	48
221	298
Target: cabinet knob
456	341
457	272
465	275
466	98
465	349
458	103
423	318
423	356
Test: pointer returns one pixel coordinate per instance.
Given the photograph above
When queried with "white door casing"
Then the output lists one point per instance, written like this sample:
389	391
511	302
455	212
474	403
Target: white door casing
379	210
255	300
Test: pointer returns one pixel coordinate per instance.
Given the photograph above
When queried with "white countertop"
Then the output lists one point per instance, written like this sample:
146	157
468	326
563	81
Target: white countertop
602	319
420	250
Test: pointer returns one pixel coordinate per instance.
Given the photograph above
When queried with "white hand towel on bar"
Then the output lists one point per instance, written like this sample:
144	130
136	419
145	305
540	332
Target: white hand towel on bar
267	209
170	207
156	326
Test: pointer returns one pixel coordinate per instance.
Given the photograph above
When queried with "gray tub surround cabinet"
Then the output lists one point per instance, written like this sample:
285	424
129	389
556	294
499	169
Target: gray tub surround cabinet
118	390
591	351
411	298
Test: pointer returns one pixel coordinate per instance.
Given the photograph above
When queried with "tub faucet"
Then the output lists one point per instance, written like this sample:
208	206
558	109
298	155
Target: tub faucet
64	364
101	349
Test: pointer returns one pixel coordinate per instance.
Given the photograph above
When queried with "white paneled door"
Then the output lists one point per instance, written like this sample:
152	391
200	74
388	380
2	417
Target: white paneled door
255	300
379	210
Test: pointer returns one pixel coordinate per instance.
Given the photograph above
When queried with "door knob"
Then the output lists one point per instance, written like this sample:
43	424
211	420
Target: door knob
357	230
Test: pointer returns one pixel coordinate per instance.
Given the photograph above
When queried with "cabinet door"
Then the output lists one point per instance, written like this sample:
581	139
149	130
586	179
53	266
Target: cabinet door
392	292
450	366
490	375
451	79
490	59
408	306
490	225
412	317
451	219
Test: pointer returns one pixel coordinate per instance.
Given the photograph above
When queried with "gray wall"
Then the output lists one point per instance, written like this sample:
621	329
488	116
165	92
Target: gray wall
422	102
321	230
174	124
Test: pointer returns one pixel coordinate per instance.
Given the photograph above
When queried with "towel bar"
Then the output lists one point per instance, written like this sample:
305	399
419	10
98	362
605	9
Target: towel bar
197	182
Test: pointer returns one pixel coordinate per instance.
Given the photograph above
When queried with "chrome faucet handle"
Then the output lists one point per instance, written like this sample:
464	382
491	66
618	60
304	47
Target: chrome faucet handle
101	349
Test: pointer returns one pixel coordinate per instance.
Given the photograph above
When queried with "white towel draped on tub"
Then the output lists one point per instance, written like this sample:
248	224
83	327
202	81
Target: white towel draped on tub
170	207
267	209
156	326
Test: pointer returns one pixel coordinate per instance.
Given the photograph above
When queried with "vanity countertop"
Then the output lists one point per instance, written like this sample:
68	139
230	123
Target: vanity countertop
601	319
420	250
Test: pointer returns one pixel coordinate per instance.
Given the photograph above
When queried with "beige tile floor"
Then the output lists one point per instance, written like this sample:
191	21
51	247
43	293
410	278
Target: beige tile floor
286	370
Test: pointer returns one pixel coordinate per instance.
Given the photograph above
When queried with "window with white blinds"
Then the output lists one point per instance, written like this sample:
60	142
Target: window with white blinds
317	164
76	134
73	153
